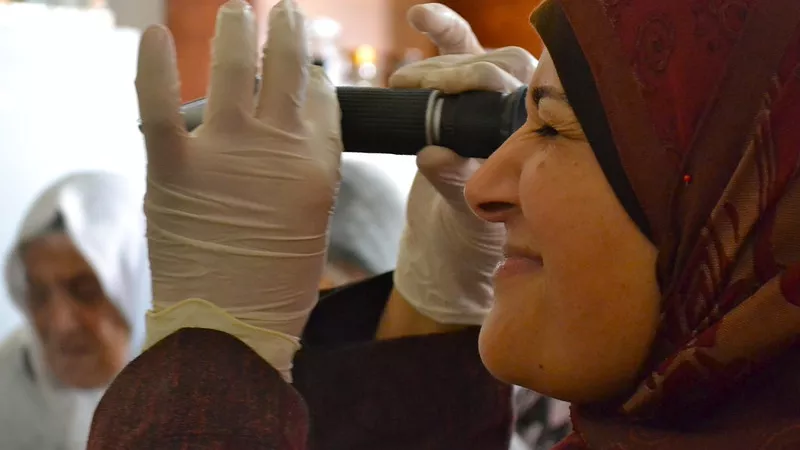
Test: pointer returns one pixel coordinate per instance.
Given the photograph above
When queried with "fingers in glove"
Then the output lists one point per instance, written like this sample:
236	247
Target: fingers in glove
233	65
285	69
323	113
158	89
445	28
322	105
410	76
479	76
447	172
516	61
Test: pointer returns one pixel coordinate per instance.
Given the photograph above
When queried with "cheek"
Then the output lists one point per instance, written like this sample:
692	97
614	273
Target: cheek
42	323
563	197
569	209
581	329
586	239
108	329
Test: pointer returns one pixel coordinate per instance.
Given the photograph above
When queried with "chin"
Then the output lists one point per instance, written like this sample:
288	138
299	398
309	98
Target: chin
84	376
506	333
517	353
92	381
498	348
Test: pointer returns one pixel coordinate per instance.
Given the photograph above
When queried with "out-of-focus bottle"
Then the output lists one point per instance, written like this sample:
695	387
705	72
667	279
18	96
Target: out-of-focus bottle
323	34
365	67
409	56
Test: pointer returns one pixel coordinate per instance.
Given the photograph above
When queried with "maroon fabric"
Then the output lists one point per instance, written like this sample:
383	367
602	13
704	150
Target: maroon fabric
202	389
420	393
762	414
199	389
702	99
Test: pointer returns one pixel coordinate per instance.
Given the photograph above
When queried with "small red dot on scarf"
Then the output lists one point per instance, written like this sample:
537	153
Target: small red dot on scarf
687	179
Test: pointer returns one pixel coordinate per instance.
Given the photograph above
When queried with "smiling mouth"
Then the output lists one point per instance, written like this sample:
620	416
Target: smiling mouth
515	264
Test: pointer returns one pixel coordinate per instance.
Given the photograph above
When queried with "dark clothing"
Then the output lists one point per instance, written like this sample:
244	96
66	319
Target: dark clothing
204	389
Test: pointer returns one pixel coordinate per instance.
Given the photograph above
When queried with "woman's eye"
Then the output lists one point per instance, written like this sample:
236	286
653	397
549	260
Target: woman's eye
86	290
546	131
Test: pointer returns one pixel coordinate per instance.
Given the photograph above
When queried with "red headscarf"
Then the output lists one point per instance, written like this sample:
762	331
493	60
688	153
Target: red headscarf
693	110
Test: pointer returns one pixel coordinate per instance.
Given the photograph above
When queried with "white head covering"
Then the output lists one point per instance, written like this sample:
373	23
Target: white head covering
368	220
102	214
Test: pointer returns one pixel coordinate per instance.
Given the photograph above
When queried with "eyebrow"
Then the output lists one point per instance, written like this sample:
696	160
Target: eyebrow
540	93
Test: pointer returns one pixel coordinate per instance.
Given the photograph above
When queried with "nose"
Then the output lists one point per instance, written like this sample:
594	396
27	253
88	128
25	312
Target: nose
493	191
63	314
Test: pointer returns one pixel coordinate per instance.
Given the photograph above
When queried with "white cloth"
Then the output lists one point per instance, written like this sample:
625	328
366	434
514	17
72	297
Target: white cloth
103	216
34	414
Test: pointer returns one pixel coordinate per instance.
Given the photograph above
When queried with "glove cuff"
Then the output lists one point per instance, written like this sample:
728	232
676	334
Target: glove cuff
276	348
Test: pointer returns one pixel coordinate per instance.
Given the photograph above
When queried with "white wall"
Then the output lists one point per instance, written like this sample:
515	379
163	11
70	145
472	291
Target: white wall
129	13
137	13
67	103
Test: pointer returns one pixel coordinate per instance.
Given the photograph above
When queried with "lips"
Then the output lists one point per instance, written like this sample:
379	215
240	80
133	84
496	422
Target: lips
74	349
515	265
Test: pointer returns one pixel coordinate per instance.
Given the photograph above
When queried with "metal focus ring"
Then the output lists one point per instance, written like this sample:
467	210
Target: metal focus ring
432	120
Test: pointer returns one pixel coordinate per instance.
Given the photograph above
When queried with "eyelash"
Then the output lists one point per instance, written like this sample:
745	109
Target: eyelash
546	131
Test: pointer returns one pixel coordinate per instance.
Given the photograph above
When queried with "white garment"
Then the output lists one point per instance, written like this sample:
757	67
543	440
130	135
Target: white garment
102	214
34	415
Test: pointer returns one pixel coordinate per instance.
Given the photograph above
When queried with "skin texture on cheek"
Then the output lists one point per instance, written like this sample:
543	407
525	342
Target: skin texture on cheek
601	278
104	335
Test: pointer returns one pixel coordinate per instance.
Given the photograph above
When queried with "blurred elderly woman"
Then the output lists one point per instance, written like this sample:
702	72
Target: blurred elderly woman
78	270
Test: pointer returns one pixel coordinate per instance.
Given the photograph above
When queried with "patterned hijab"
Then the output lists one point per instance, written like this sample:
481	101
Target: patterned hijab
693	110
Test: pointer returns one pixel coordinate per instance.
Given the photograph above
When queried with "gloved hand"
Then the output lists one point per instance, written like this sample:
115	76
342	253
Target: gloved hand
237	212
447	254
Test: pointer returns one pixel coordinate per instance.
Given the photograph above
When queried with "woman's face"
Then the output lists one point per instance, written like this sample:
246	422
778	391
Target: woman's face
85	339
577	301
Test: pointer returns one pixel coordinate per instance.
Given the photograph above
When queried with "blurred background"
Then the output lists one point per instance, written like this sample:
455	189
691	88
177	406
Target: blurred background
66	86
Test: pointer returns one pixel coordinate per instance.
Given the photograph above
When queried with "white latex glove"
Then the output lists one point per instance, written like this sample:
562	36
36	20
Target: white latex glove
238	211
447	255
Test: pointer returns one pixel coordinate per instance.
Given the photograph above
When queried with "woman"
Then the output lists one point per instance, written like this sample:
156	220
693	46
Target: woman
664	302
661	302
79	272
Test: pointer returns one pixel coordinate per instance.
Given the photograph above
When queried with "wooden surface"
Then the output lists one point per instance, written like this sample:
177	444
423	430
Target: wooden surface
192	25
500	23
